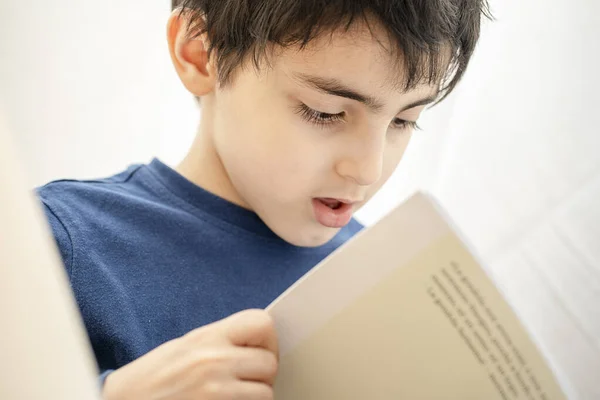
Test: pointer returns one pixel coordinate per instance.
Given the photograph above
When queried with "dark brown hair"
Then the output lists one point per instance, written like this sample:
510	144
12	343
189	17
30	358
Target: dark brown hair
426	32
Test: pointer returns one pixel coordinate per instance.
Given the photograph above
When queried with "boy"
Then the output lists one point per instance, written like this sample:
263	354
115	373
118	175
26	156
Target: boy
307	108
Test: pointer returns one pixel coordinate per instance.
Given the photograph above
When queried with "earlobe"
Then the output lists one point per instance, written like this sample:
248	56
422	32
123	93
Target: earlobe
190	57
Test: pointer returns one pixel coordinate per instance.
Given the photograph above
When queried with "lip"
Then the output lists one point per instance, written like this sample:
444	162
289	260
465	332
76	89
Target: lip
351	202
333	218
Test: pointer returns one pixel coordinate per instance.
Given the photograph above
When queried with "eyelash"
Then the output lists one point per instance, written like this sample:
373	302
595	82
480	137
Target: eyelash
322	119
318	118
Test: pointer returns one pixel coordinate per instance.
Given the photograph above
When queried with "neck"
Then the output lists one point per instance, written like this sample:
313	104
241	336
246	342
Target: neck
202	164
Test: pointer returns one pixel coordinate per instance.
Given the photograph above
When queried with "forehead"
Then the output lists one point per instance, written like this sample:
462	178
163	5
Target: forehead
362	56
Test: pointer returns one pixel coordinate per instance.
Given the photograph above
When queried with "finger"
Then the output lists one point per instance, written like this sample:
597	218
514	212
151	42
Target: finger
253	328
251	391
255	365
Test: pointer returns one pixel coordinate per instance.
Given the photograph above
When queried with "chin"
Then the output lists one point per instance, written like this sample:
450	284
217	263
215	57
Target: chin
309	237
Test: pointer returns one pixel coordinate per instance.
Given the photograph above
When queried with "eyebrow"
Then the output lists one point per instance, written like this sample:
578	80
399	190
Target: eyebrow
335	87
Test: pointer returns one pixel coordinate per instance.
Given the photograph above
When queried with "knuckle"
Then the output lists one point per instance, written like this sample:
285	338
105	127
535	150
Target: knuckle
215	390
261	319
210	364
198	334
271	364
208	334
212	358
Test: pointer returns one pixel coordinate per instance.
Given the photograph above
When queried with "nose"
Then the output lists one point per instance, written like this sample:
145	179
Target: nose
362	162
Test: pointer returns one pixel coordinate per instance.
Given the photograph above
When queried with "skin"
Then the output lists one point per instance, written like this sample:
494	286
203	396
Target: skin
255	149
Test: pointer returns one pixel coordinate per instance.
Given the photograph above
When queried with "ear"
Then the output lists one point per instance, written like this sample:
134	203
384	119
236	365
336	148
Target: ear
190	56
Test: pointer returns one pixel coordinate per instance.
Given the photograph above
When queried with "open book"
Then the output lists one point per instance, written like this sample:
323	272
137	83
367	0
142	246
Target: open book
405	311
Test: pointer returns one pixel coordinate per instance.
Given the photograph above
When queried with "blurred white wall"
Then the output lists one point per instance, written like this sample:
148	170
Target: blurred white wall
513	154
89	87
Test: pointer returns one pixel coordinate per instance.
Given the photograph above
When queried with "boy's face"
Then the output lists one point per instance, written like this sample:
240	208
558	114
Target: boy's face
307	141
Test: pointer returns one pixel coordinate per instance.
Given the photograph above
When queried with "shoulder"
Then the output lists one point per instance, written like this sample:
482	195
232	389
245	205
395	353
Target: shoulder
73	208
79	193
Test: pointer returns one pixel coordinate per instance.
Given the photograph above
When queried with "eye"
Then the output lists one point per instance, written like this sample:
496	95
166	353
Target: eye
402	124
318	118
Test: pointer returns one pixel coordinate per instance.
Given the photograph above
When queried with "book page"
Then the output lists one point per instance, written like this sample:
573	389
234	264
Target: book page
422	321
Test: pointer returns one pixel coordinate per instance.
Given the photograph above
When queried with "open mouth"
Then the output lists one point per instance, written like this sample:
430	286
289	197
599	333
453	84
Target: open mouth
331	203
331	212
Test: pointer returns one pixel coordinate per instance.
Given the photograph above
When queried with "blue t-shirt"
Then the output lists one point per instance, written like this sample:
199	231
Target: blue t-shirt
151	256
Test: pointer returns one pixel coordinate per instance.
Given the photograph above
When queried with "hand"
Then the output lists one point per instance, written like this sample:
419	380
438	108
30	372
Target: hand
235	358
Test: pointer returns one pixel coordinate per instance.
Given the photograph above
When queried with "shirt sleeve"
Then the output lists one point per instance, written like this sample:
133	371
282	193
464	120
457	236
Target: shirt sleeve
63	241
61	237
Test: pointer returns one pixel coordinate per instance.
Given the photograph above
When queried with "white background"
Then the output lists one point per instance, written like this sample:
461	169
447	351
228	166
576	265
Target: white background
513	154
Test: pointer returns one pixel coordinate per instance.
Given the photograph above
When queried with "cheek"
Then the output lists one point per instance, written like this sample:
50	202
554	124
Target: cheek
270	152
296	160
393	154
